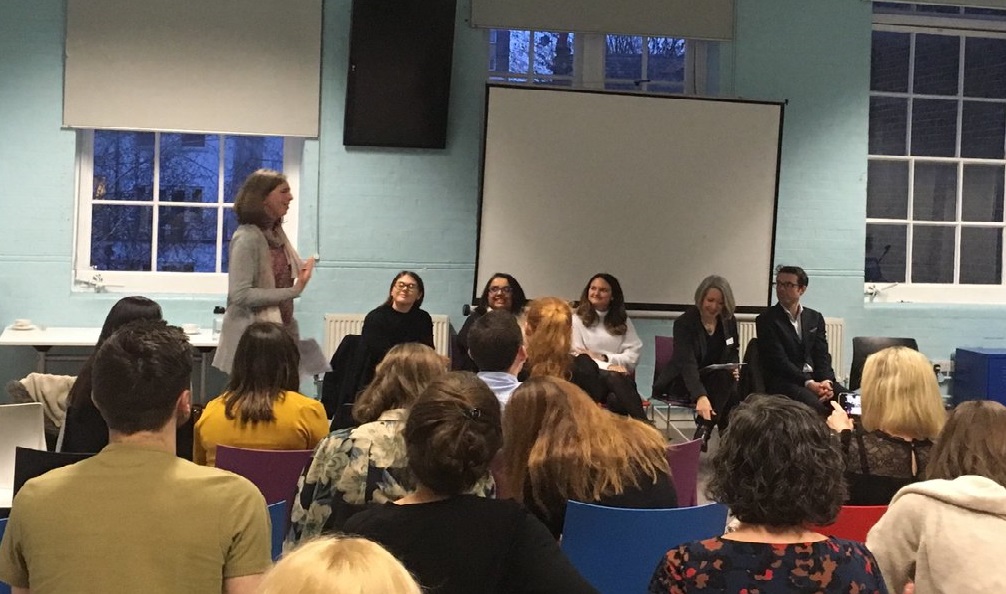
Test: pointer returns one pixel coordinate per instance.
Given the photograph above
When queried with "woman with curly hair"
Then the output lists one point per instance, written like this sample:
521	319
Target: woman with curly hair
451	541
561	446
902	415
601	327
945	534
548	332
779	470
502	292
353	467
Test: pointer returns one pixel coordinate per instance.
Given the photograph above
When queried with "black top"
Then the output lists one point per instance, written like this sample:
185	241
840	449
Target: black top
648	495
384	327
468	544
463	361
694	348
878	465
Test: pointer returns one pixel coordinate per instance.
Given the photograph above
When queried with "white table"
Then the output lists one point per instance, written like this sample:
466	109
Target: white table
45	338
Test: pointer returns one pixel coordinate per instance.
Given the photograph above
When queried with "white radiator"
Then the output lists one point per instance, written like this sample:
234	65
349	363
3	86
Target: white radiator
835	328
339	325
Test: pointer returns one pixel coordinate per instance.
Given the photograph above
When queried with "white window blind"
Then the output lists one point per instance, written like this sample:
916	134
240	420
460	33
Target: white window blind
208	66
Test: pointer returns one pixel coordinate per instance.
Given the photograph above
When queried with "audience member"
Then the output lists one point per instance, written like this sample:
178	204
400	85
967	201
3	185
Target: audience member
458	543
353	467
793	345
548	332
265	274
560	446
135	517
399	319
496	344
778	469
902	413
601	327
946	533
338	565
261	408
705	334
502	292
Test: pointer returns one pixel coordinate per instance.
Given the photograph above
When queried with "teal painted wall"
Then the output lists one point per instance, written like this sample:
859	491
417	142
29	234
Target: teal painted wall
371	212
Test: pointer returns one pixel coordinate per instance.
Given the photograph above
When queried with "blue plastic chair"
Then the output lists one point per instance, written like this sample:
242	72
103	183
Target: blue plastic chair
277	517
617	549
4	588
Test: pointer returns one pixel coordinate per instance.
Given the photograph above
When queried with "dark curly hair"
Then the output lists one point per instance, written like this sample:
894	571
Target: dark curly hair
452	433
778	464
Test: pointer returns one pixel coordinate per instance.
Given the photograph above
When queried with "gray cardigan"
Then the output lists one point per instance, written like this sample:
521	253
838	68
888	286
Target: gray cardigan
251	289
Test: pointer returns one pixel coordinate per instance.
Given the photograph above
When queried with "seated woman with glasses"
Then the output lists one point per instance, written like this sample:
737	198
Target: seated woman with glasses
601	328
399	319
501	292
902	415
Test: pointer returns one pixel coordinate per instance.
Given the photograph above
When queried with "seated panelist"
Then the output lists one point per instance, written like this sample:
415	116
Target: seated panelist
601	328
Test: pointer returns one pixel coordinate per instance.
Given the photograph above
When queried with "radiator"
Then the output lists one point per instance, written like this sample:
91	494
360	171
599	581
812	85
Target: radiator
339	325
835	328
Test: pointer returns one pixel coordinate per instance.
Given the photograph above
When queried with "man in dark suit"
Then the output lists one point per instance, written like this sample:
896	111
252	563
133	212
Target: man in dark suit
793	346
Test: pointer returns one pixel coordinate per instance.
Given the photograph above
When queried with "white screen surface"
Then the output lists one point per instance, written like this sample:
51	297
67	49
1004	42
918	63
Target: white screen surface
658	191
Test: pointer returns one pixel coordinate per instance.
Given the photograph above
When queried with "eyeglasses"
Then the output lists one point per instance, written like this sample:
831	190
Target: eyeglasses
505	290
786	286
405	286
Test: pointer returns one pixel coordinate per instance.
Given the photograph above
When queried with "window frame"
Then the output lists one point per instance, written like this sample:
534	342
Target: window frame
86	279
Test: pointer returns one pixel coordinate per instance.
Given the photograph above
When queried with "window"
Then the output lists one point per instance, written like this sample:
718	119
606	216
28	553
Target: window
614	62
935	178
155	209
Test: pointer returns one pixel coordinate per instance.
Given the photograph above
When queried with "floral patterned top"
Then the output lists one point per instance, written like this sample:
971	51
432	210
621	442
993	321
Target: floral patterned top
351	468
725	566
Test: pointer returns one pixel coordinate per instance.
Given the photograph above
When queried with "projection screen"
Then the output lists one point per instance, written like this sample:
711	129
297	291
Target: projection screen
659	191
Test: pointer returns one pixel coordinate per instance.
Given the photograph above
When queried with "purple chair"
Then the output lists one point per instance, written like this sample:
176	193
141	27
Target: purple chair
274	472
684	461
663	350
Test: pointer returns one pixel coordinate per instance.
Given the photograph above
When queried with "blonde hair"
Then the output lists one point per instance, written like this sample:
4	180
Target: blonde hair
399	379
338	565
567	447
549	337
900	394
723	286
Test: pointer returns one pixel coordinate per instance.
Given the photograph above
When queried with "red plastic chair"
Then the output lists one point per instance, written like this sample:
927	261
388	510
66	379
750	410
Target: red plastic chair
684	461
853	522
274	472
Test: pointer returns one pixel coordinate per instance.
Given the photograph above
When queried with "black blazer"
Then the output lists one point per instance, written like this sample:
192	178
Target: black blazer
690	348
783	354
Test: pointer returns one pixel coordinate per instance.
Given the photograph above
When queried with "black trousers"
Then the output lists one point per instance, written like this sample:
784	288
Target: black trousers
721	387
804	395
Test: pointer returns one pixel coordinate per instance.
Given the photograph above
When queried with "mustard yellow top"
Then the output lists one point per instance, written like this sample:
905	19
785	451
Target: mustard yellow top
300	424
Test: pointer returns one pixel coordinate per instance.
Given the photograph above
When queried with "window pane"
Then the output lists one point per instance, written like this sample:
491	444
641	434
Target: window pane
888	125
121	237
666	88
934	127
983	129
244	154
623	57
985	67
123	165
230	225
932	254
186	239
887	190
937	62
981	256
666	60
983	193
553	53
519	53
886	246
935	196
889	62
190	167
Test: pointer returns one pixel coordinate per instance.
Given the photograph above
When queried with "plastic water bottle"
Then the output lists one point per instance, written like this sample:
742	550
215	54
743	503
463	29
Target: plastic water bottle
218	319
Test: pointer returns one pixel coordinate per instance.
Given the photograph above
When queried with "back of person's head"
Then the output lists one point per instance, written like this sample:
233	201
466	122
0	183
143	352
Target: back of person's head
723	286
567	447
338	565
400	378
615	320
801	275
972	442
124	311
778	464
249	204
452	433
139	374
266	364
549	334
518	299
494	341
900	394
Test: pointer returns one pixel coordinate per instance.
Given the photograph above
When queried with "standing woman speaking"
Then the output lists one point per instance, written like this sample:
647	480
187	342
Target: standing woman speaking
265	273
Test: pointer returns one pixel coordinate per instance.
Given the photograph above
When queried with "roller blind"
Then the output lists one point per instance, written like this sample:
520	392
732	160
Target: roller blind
214	66
709	19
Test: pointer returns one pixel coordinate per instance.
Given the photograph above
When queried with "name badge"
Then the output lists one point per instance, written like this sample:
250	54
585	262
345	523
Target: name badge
730	341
